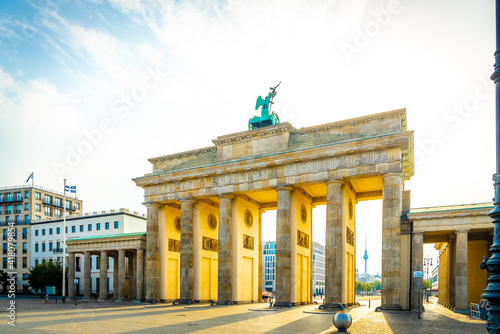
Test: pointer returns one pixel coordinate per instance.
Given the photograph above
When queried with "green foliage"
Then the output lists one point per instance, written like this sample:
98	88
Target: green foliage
374	286
45	274
3	281
427	284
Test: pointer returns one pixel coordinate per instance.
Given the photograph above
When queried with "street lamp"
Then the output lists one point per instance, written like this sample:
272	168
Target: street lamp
492	265
427	264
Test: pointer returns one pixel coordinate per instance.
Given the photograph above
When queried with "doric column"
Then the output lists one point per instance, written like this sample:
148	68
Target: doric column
334	248
87	280
187	248
391	242
283	247
152	254
121	274
461	270
259	277
140	274
130	276
417	264
71	275
225	262
103	276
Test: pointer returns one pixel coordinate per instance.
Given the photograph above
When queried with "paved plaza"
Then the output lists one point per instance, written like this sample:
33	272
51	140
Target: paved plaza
32	316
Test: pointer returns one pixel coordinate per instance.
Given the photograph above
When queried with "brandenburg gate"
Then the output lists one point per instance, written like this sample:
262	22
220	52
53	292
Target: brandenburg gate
204	208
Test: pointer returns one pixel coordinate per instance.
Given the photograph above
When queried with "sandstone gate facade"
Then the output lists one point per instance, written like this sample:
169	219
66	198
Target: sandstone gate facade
204	227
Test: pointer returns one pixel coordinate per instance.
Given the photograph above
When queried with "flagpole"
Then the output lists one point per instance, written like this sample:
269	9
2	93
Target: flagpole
33	180
64	245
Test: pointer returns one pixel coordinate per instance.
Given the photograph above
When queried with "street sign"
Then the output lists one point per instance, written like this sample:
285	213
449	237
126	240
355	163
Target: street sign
51	290
418	274
75	281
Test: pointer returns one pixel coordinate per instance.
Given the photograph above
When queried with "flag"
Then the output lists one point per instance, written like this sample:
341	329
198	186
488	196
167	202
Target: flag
71	189
30	177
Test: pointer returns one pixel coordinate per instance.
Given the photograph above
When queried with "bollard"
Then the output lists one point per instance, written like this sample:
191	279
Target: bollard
369	303
342	321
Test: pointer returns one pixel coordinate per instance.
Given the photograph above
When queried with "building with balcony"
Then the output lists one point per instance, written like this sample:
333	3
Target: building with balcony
47	239
318	268
19	207
269	266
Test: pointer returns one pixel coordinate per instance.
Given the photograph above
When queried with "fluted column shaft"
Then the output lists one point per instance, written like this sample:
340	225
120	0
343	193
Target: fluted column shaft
225	256
140	274
391	239
103	276
461	263
71	275
187	249
121	274
152	254
334	248
87	280
283	247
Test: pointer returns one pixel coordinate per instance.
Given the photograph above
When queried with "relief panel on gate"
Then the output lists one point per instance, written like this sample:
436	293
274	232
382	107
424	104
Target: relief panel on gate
302	239
174	245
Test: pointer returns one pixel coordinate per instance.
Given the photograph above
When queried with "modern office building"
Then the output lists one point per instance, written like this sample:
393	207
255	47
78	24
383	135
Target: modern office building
269	266
47	237
19	207
318	268
435	278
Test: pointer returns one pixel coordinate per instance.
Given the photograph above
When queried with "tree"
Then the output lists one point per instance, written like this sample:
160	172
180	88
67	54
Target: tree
427	284
3	281
45	274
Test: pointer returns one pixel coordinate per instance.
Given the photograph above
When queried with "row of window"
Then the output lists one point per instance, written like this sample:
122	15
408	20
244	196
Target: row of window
270	246
270	258
25	248
7	197
6	231
269	271
25	262
269	251
51	247
270	264
81	228
269	277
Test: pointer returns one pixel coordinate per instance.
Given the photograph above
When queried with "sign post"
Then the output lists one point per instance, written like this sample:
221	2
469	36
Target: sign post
75	281
418	274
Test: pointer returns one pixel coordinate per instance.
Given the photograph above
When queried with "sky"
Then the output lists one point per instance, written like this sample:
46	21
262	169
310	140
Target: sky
90	90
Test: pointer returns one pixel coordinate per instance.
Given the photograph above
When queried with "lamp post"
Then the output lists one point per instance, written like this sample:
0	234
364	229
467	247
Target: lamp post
492	265
427	264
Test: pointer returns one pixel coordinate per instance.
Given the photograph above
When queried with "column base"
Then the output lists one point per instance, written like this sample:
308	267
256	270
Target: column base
283	304
391	308
152	301
101	299
333	305
118	300
225	302
186	301
138	301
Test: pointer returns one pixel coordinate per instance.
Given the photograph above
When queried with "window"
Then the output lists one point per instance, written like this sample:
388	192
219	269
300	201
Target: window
18	208
106	225
58	245
81	228
58	230
57	201
1	210
18	197
7	219
38	207
36	233
26	194
36	248
48	211
47	199
98	226
9	197
77	206
51	230
17	219
68	204
98	262
9	209
4	262
25	277
25	233
36	262
89	227
43	231
26	218
5	234
27	206
38	217
25	248
73	229
66	230
5	248
57	213
51	245
43	246
116	224
77	260
38	196
25	262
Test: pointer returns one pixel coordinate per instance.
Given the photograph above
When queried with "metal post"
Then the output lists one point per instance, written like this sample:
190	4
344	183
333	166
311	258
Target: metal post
75	292
64	245
418	288
492	265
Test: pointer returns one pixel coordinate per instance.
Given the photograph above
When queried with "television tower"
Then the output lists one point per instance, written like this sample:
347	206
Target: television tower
366	255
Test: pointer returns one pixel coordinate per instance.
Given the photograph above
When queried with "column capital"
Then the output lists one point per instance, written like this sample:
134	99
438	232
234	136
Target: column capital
283	186
462	230
227	195
151	204
187	200
389	174
333	180
418	233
